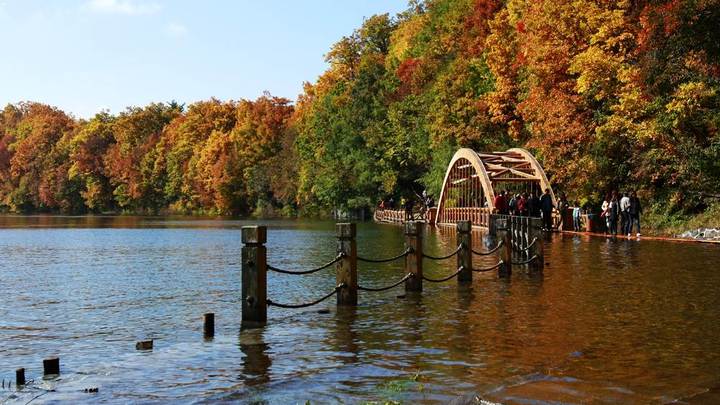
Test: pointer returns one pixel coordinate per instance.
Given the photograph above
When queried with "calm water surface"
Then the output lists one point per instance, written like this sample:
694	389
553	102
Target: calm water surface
608	321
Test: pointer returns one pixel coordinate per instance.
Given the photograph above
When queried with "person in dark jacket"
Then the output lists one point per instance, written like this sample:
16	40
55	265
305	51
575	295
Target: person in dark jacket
614	213
546	206
635	210
534	205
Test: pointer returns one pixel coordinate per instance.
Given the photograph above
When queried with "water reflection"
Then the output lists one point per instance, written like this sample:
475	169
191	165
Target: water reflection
256	362
619	321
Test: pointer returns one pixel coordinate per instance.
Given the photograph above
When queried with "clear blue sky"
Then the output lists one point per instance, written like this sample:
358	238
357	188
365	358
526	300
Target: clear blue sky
88	55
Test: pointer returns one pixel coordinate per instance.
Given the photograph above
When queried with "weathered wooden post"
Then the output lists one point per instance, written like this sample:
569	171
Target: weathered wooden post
20	377
492	225
464	257
208	325
346	268
254	276
414	260
51	366
538	250
505	269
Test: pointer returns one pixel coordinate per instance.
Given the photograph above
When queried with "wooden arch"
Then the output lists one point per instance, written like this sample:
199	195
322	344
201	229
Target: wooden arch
472	180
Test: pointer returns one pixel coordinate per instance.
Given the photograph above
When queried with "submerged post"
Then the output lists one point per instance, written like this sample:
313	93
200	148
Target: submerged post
346	268
505	269
51	366
20	376
539	249
464	257
254	276
209	325
414	260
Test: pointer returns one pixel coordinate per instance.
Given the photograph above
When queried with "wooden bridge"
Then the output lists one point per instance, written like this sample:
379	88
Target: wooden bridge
472	181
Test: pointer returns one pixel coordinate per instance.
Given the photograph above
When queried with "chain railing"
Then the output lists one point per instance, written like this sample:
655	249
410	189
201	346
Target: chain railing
255	267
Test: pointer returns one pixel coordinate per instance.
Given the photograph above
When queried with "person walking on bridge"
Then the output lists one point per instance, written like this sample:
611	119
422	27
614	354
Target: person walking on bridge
501	203
546	205
522	205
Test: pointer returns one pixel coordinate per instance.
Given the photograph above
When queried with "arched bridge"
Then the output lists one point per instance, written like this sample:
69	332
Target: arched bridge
472	181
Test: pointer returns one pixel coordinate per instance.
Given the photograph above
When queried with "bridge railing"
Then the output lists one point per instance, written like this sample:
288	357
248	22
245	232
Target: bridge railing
479	216
255	267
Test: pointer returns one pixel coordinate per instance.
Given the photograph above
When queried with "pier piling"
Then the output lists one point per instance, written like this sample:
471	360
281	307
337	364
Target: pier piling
254	276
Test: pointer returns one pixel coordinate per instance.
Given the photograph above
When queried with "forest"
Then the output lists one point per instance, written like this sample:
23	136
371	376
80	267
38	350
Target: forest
608	95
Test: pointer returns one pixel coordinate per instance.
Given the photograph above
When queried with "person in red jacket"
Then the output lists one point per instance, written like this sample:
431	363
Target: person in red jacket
501	203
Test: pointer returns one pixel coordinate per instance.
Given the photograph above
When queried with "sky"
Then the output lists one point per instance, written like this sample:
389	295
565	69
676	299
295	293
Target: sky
85	56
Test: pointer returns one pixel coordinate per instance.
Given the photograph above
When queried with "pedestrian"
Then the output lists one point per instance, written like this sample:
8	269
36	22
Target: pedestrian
635	210
522	205
512	205
577	214
613	213
501	203
382	205
534	205
606	211
546	206
625	214
408	209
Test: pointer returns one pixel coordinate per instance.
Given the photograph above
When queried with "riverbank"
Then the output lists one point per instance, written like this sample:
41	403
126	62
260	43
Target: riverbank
658	222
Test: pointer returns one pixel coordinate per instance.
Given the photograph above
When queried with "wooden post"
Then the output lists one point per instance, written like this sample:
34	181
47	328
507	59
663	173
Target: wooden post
20	377
346	268
51	366
539	248
414	261
505	269
526	239
254	276
208	325
464	257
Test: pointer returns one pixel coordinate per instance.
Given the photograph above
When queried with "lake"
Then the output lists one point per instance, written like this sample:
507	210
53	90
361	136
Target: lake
608	321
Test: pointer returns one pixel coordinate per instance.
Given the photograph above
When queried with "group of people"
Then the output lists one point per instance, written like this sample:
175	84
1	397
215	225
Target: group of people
407	204
623	208
528	205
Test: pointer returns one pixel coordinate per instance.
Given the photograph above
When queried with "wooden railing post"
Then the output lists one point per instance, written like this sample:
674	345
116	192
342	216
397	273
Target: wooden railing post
346	268
464	257
505	269
539	248
414	260
254	276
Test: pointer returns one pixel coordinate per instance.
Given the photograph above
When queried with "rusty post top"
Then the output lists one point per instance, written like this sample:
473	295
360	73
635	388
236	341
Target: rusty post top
253	235
464	226
346	230
413	228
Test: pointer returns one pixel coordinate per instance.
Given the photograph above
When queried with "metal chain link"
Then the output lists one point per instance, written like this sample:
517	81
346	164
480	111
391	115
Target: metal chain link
491	251
432	280
500	263
309	304
389	259
324	266
402	280
443	257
